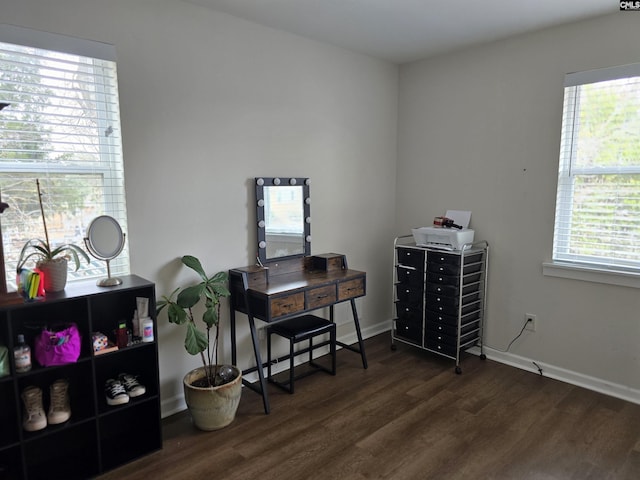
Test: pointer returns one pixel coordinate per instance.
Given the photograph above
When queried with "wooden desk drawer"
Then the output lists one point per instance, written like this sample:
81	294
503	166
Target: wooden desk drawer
350	289
320	297
286	305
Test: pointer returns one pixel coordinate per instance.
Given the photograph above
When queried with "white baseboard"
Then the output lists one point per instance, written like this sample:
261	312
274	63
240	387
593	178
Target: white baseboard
568	376
557	373
172	406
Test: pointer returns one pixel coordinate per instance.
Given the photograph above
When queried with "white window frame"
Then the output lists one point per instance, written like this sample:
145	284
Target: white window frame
114	202
573	266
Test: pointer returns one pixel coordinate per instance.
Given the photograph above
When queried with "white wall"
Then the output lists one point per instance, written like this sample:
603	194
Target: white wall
207	103
479	130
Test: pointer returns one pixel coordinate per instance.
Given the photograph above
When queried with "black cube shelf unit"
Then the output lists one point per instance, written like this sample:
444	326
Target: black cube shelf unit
97	437
440	297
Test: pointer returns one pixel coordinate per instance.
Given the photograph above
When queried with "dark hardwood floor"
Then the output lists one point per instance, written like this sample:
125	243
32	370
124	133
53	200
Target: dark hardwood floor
409	416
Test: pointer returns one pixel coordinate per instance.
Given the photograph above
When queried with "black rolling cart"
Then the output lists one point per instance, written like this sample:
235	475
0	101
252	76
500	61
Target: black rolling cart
440	297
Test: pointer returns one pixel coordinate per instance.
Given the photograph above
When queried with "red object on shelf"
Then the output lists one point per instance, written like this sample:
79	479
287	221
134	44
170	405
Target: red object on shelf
41	284
445	222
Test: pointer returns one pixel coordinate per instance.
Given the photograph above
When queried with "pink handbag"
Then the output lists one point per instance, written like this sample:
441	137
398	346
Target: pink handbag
58	348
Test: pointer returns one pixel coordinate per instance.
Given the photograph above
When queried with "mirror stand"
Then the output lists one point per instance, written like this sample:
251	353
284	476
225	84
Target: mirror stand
109	281
105	241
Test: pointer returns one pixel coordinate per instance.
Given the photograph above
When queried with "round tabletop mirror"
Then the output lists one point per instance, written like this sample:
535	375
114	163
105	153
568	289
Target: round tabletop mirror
105	241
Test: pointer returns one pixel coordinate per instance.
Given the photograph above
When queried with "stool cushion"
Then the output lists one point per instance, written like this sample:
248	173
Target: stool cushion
301	327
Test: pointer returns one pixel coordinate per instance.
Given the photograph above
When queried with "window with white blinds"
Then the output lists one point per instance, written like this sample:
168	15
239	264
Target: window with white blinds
597	221
62	127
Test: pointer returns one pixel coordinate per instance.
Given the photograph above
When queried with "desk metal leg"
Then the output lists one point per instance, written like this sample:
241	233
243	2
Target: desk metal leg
356	322
256	350
232	322
263	382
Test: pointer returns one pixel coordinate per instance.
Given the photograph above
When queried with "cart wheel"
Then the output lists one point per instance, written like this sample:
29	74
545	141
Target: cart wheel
483	356
458	370
393	347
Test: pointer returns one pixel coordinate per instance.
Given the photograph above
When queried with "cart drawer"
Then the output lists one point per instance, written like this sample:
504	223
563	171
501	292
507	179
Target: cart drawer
453	310
447	269
409	312
439	278
433	299
447	344
451	329
409	331
453	259
409	275
452	319
409	293
440	347
411	257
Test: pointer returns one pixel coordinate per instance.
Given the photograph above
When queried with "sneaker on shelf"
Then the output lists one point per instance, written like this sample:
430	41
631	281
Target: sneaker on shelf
115	392
59	408
131	385
34	416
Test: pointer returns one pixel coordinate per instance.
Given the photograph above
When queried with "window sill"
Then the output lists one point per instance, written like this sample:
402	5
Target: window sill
591	274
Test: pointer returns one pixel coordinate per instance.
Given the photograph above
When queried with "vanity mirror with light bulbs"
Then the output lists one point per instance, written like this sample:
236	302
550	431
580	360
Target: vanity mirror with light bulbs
283	213
286	280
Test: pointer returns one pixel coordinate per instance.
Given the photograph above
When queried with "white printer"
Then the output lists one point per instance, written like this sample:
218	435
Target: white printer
446	238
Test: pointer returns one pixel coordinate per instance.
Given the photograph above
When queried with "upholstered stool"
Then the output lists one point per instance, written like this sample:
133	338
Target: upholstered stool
299	329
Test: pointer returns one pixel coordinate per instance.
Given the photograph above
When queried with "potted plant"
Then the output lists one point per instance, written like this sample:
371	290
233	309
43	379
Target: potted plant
51	261
212	391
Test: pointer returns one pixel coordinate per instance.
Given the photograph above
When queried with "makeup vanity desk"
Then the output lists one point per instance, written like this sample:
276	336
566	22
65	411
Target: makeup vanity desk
289	288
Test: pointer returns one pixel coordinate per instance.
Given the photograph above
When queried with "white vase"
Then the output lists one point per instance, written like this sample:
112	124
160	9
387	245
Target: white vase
55	274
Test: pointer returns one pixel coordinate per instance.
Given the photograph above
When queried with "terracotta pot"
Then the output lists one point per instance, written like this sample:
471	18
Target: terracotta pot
212	408
55	274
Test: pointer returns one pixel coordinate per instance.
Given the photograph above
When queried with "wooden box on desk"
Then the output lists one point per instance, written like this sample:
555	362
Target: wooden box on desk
327	262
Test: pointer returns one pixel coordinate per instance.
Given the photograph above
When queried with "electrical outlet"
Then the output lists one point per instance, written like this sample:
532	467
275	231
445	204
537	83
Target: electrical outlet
262	334
530	322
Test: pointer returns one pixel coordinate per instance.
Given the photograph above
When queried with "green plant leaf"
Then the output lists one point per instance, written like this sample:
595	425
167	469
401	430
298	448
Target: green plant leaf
73	250
195	341
188	297
208	291
221	290
210	317
39	249
194	264
165	301
220	277
176	314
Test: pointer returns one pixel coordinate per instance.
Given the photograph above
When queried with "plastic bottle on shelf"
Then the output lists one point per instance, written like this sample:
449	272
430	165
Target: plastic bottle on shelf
22	355
146	324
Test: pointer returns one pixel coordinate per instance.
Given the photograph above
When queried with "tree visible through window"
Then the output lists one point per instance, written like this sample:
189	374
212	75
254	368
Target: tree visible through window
598	205
62	126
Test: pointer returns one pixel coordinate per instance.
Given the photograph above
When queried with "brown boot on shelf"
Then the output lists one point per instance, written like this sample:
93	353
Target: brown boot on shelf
59	409
34	417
